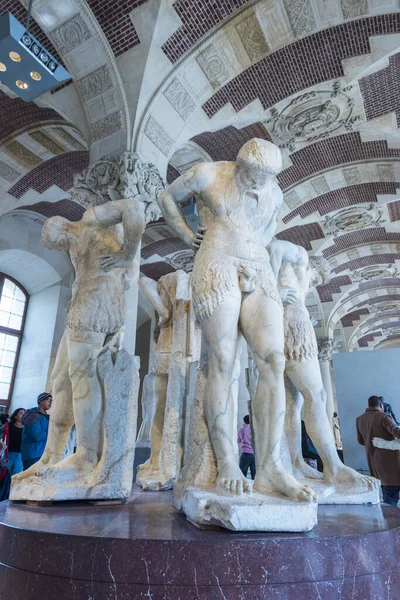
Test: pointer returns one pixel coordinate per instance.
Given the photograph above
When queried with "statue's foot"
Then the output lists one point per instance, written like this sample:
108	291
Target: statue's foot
38	468
355	482
231	480
69	468
301	469
148	469
276	479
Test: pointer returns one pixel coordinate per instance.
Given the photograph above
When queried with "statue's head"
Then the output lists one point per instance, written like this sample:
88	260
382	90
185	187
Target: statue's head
55	234
257	160
320	270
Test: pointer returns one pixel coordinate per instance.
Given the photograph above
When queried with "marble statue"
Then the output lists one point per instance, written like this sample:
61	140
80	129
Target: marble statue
233	289
95	382
296	274
175	351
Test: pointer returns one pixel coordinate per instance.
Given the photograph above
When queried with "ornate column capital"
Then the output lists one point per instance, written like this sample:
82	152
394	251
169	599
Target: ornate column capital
326	347
115	178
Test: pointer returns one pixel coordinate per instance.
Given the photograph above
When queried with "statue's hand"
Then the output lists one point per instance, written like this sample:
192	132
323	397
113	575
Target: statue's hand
198	238
288	295
116	260
164	317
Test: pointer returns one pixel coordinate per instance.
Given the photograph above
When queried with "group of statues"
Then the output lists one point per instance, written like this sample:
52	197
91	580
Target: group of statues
244	284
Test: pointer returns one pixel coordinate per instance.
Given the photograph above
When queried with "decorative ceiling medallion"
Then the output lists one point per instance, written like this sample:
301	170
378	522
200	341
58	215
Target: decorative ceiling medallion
182	260
313	116
353	218
375	272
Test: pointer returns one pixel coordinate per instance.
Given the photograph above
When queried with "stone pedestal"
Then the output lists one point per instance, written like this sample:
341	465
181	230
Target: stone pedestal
341	494
253	512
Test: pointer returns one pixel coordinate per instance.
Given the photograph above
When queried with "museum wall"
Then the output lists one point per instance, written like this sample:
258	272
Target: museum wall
359	375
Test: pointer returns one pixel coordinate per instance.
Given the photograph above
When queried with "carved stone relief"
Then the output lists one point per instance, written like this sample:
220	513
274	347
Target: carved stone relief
375	272
354	8
384	306
8	172
386	172
353	218
320	186
107	126
214	66
184	259
180	99
22	154
292	199
352	175
252	38
326	348
158	136
96	83
68	138
46	142
353	254
70	34
376	249
315	115
301	16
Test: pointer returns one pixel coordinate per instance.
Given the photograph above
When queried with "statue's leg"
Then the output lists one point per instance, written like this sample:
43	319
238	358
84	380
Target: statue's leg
261	321
152	465
61	416
306	376
221	334
294	404
83	351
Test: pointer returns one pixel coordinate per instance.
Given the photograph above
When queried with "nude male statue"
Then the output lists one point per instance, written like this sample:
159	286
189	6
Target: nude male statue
102	253
296	274
233	287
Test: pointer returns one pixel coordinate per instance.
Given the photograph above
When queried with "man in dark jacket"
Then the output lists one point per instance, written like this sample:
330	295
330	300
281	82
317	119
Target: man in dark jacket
383	464
34	433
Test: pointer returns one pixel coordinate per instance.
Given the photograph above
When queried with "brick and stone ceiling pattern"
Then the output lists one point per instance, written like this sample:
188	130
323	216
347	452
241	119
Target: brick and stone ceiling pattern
56	171
113	17
64	208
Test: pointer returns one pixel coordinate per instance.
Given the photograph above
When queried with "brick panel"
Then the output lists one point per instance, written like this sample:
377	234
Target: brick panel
326	291
367	261
348	320
156	270
163	247
18	114
394	210
389	325
63	208
338	150
113	17
390	338
304	63
56	171
336	199
172	174
226	143
381	90
302	234
383	298
19	12
382	282
363	341
357	238
198	17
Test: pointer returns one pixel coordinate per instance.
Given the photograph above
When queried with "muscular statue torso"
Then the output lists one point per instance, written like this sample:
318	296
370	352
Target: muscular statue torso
235	224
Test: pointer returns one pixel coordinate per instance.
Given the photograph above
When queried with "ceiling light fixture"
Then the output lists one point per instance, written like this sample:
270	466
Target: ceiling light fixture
24	59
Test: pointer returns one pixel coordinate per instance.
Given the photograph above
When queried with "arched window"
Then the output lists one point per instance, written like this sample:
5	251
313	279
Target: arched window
13	305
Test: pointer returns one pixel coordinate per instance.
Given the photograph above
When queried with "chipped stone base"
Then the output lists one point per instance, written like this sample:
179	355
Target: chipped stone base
33	491
154	484
253	512
341	494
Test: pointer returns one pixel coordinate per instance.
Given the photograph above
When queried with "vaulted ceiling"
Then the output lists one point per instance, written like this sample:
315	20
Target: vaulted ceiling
192	80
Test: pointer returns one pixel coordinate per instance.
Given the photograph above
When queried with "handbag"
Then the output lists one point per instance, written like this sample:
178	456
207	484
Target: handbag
5	477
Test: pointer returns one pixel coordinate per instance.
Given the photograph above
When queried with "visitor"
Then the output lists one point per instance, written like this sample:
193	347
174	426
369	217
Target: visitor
309	451
34	433
4	419
15	428
383	464
247	459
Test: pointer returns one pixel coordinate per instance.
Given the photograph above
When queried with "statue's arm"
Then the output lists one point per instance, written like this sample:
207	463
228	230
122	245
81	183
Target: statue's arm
183	188
149	290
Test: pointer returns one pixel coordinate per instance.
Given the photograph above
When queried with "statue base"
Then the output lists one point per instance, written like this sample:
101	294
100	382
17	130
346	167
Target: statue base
255	512
35	491
154	484
341	494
